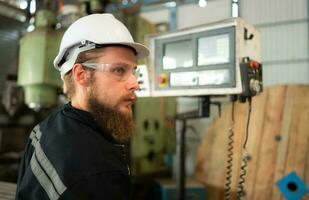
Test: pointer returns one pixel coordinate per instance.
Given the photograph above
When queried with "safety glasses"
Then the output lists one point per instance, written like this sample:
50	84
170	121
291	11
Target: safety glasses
118	71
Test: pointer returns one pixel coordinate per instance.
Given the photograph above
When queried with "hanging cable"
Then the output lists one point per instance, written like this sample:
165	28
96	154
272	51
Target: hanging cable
228	178
245	158
248	122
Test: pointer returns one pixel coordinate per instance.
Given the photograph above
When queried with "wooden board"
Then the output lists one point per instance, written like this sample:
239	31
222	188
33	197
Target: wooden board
278	144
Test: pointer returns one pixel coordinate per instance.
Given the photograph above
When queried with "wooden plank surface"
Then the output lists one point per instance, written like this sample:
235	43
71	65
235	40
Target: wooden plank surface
241	112
268	151
278	144
299	130
254	140
284	141
209	165
306	179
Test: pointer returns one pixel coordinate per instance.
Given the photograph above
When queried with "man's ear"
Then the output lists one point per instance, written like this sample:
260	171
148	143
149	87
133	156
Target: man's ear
80	74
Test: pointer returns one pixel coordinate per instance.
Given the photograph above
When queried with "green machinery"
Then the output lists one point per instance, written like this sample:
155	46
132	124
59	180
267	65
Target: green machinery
36	74
154	142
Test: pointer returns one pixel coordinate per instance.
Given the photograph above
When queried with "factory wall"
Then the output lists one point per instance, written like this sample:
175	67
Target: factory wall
214	11
284	31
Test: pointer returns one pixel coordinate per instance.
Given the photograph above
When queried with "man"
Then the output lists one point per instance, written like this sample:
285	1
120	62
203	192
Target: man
78	151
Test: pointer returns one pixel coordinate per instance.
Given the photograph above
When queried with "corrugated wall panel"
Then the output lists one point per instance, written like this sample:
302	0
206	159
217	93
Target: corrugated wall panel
269	11
284	42
293	73
284	29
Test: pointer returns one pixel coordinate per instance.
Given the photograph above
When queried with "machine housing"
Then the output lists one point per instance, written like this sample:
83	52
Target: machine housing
203	60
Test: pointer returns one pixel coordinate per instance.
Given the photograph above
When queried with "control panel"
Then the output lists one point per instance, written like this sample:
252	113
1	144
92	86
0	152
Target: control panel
203	60
143	81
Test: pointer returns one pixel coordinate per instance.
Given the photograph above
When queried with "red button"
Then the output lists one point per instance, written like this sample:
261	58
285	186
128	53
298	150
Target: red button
162	79
254	65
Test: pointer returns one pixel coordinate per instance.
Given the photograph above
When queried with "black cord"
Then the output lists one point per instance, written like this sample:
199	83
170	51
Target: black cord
245	158
242	180
248	123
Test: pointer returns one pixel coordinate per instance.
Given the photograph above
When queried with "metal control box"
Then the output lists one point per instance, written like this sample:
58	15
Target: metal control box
203	60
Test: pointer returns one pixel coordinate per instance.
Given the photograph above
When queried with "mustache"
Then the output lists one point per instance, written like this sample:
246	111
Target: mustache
129	97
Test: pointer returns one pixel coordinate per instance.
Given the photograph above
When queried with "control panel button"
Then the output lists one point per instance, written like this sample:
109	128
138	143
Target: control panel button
162	80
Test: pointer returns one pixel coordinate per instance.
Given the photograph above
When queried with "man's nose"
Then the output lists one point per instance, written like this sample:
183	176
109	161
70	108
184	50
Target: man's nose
132	83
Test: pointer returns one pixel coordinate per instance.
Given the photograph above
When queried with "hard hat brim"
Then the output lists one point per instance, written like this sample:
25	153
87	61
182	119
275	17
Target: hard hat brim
141	50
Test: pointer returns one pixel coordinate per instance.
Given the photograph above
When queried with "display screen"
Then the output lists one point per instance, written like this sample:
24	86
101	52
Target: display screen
197	61
207	77
213	50
178	55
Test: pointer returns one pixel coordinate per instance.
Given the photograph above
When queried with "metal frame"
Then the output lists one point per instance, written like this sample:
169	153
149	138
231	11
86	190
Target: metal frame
183	35
241	49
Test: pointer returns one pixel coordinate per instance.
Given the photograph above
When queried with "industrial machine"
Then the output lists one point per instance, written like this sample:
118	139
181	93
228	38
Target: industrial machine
36	74
221	58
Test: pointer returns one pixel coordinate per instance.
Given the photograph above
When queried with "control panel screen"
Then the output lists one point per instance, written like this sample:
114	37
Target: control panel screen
213	50
200	60
178	55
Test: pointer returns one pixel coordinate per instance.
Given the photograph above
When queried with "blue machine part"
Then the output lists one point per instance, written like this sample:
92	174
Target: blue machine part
166	189
292	187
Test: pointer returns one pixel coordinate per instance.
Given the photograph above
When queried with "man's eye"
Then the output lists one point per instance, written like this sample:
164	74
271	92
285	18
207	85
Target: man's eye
120	71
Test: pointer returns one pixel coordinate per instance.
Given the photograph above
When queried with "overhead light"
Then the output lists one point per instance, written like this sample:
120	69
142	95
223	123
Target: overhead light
32	6
22	18
32	20
125	2
170	4
23	5
202	3
235	11
30	28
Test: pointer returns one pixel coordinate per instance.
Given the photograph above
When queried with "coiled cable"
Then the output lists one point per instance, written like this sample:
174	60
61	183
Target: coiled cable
228	178
242	180
245	158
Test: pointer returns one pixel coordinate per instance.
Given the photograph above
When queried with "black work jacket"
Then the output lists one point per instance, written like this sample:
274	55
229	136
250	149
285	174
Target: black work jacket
69	157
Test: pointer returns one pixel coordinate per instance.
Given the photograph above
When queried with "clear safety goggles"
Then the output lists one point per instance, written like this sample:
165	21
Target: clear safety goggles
118	71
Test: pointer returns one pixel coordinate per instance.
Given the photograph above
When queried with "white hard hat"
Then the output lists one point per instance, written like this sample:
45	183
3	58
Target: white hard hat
90	31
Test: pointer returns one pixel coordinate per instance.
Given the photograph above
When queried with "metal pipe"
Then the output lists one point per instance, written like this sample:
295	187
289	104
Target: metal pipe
181	174
173	17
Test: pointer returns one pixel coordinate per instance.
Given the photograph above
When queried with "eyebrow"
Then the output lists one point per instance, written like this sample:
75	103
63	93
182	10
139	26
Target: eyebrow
124	64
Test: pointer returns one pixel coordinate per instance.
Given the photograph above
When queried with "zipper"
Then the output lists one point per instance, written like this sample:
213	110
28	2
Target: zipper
124	156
